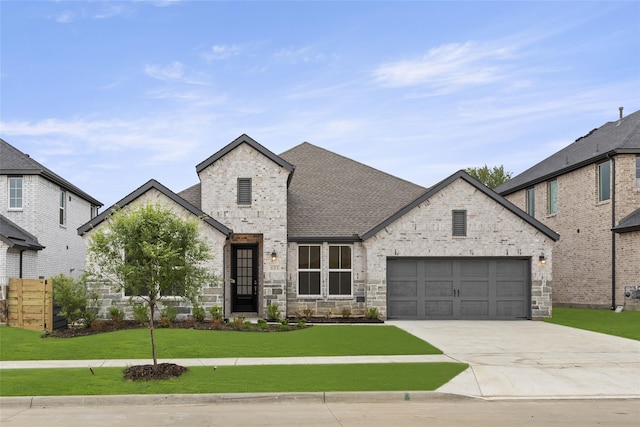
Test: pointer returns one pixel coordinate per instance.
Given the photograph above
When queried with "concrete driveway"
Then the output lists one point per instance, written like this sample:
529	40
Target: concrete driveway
533	359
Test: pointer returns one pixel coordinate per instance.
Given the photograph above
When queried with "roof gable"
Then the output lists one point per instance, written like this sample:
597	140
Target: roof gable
16	236
619	137
333	198
244	139
479	186
629	223
15	162
153	184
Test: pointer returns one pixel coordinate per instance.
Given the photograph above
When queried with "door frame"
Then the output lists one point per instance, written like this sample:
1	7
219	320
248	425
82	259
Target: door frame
236	306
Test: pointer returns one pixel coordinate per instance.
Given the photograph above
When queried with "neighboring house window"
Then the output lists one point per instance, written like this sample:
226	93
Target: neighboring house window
63	208
637	171
552	196
94	211
340	270
459	225
604	181
244	191
531	201
309	262
15	192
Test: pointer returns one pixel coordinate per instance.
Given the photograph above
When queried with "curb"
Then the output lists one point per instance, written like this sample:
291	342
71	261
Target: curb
227	398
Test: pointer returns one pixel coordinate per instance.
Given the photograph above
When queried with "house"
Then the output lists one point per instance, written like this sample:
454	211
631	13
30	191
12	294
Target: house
313	231
589	192
39	216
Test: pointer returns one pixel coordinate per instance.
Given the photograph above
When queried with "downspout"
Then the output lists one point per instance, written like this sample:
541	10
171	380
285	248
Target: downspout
21	262
613	233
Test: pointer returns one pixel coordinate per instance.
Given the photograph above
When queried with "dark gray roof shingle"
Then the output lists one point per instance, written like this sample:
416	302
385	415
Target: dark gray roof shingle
629	223
621	136
334	197
15	162
16	236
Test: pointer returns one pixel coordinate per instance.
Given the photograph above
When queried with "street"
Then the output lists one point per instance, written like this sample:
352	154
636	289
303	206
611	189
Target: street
436	412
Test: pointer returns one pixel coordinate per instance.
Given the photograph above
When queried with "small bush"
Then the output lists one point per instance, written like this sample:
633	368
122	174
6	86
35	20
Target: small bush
117	314
284	322
373	313
301	324
328	314
198	313
71	296
141	313
168	315
216	313
308	312
346	313
272	312
238	322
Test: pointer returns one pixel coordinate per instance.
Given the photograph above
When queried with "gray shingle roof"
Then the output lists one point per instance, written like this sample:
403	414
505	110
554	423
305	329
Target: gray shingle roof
621	136
193	195
162	189
332	197
15	162
629	223
17	237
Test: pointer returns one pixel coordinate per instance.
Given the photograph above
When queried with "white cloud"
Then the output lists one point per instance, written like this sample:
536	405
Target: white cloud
449	66
173	71
303	54
65	17
219	52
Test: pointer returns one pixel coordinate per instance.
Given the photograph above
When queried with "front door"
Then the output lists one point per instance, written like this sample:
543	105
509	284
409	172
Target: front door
245	278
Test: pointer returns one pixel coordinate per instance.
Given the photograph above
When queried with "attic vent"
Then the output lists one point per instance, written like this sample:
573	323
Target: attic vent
459	222
244	191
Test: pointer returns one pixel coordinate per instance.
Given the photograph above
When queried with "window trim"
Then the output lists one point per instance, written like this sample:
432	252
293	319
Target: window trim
21	189
600	175
530	199
244	193
638	171
340	270
459	219
63	208
552	197
307	270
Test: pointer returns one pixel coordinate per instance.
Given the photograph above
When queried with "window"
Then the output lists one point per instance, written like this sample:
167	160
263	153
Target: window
339	270
637	171
15	192
63	208
531	201
459	225
244	191
552	197
309	262
604	181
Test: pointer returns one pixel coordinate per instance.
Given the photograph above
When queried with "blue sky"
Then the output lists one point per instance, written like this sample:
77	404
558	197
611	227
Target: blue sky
112	94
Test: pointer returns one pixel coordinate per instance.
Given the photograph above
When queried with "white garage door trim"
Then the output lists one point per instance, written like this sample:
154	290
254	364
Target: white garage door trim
471	288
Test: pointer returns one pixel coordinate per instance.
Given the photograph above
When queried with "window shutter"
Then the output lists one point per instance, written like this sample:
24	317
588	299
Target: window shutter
459	223
244	191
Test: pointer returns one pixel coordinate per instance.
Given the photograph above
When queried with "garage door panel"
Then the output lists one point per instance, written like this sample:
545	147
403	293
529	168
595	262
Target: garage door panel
458	288
438	288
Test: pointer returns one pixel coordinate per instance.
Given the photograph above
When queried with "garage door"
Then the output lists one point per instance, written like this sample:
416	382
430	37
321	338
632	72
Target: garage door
458	288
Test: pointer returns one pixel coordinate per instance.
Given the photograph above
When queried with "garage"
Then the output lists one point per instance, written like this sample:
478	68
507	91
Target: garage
458	288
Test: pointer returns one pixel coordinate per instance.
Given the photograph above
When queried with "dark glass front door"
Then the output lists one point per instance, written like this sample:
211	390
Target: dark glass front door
245	278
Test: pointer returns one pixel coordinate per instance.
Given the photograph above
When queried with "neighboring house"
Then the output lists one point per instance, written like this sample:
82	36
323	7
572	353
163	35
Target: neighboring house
39	216
589	192
311	230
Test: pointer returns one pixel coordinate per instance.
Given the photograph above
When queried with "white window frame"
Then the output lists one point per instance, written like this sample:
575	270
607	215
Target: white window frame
552	197
10	187
530	195
340	269
63	208
601	189
309	270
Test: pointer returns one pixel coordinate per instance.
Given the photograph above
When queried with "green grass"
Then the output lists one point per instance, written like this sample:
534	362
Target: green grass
341	340
234	379
609	322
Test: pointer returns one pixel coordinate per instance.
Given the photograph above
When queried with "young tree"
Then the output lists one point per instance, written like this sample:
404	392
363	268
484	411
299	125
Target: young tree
149	251
492	178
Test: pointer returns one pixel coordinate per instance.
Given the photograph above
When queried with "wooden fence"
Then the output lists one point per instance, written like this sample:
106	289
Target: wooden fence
30	304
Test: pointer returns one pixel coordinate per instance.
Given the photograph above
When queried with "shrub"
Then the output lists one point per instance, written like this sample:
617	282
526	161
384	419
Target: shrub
198	313
141	313
301	324
117	314
308	312
71	296
238	322
346	313
216	312
168	315
272	312
373	313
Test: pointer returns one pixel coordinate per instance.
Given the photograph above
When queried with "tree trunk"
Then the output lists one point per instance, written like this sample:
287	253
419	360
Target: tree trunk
153	341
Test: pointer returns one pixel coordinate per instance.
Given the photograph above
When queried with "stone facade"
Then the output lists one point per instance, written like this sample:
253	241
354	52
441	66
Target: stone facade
582	268
492	231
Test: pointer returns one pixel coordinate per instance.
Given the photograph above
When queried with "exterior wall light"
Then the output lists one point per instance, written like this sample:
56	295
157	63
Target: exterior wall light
542	260
274	256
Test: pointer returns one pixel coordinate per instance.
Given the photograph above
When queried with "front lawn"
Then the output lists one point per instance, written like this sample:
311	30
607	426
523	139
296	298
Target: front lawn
623	324
334	340
234	379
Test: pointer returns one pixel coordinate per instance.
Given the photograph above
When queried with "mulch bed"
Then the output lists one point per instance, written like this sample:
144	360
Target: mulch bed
147	372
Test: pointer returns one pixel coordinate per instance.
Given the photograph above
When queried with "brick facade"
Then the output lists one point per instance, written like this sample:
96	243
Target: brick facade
582	267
